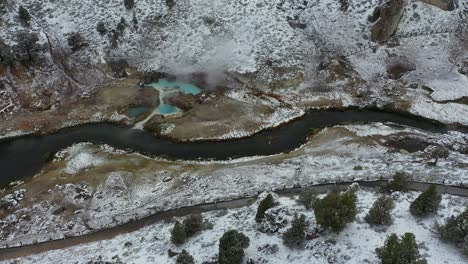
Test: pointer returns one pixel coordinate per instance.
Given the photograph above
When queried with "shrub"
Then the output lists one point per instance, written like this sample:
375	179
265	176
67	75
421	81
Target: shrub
439	152
178	234
294	236
170	3
455	230
76	41
399	183
101	28
184	258
24	15
400	251
426	203
336	210
129	4
380	213
307	198
122	25
264	205
27	45
231	247
193	224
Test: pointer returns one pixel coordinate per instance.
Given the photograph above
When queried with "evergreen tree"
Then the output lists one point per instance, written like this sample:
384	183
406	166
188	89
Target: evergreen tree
336	210
380	213
178	234
184	258
307	198
439	152
27	45
399	183
426	203
264	205
455	230
400	251
101	28
129	4
24	15
76	41
294	236
192	224
122	25
170	3
231	247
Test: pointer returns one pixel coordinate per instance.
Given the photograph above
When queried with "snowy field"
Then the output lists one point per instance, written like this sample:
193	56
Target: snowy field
100	187
356	244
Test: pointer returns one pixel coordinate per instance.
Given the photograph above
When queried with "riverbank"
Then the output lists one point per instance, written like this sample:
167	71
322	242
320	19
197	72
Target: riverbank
87	187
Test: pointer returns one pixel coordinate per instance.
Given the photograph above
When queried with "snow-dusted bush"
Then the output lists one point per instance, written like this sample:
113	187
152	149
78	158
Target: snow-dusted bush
274	220
335	210
193	224
294	236
427	202
438	152
178	235
399	183
101	28
264	205
24	15
455	230
189	227
231	247
184	258
307	198
400	251
76	41
129	4
380	213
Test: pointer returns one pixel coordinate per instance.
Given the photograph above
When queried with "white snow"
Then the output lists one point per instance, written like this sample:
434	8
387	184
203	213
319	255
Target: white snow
355	244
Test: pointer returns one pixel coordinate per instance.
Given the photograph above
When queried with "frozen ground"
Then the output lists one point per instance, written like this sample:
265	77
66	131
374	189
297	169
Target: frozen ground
71	197
355	244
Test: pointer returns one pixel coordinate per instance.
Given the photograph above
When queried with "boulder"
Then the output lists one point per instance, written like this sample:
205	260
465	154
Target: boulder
390	14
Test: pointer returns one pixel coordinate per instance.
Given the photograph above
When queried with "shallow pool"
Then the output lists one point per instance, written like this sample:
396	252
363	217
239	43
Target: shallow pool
186	88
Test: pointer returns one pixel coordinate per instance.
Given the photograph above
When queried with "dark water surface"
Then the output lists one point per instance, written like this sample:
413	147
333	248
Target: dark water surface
24	156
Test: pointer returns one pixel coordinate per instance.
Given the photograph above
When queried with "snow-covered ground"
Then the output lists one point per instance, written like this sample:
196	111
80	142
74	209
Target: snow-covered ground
355	244
115	187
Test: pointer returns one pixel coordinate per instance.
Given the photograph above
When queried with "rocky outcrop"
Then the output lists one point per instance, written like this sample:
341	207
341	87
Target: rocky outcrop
184	101
447	5
390	14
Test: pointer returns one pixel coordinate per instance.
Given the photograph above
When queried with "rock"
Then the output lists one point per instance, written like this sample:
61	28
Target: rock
184	101
167	179
389	18
447	5
396	70
147	97
273	221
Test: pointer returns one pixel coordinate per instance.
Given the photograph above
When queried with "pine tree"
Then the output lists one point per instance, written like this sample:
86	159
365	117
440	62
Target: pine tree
380	213
184	258
400	251
336	210
178	234
427	202
307	198
101	28
264	205
76	41
455	230
231	247
122	25
129	4
24	15
294	236
399	183
192	224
